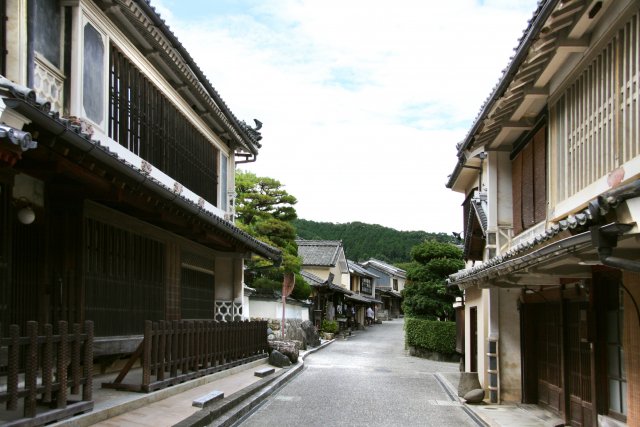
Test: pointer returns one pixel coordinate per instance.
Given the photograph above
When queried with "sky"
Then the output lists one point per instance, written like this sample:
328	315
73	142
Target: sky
362	101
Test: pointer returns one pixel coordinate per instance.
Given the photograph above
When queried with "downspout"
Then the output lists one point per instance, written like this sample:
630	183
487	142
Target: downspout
247	158
605	238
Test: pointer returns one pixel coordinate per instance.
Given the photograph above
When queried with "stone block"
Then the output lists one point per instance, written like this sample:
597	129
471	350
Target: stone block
474	396
208	399
264	372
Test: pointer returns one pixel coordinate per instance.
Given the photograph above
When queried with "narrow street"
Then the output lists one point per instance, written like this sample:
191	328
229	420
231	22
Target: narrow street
367	380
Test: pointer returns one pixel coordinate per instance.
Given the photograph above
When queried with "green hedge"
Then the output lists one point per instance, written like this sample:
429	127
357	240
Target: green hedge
431	335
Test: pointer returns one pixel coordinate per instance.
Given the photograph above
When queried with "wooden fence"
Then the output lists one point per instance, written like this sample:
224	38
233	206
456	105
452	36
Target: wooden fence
178	351
38	373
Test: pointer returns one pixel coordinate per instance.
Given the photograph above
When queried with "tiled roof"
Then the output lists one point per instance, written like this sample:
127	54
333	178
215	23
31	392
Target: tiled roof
73	135
384	267
479	206
356	269
591	215
312	279
322	253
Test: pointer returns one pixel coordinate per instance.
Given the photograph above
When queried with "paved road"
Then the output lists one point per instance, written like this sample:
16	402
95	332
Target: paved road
367	380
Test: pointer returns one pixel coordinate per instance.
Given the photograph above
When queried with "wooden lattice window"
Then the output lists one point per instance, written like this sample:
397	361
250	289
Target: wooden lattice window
197	294
145	121
596	121
124	279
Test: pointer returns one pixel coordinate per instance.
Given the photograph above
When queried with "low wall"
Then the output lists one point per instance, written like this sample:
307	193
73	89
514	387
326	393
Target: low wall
272	309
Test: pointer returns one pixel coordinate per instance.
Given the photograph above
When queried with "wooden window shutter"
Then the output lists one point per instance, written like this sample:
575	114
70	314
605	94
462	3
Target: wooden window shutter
527	186
540	174
516	182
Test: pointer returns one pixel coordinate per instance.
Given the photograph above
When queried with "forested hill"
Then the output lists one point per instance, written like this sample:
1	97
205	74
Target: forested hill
363	241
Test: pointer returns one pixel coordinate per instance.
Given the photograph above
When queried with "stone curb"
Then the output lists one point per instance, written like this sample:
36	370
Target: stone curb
230	410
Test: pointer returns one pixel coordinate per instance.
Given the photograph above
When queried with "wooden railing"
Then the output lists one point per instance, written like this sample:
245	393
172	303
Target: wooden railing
181	350
45	369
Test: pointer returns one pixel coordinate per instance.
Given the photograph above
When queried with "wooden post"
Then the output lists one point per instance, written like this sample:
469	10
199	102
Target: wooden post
47	363
31	370
146	354
87	390
63	357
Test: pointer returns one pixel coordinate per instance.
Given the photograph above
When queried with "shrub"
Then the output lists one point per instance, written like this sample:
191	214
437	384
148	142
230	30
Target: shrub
439	337
330	326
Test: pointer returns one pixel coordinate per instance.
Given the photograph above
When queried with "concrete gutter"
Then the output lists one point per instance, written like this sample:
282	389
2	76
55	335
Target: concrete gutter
230	410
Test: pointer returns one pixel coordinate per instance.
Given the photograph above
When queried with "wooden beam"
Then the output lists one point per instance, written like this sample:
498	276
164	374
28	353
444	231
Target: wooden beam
564	49
532	98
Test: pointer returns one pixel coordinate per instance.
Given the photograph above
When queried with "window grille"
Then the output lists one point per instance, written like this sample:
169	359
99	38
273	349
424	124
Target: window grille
197	294
124	277
144	121
596	120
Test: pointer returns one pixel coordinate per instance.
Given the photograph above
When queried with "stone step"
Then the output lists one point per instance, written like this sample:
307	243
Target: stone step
208	399
264	372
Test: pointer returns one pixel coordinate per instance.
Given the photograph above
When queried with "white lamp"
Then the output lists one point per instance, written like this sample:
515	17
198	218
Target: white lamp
26	215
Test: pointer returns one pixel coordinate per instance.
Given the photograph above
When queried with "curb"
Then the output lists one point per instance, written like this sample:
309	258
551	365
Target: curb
143	399
232	409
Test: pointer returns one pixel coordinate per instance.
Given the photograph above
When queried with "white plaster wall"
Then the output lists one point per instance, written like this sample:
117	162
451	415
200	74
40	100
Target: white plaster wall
273	310
224	269
510	355
16	41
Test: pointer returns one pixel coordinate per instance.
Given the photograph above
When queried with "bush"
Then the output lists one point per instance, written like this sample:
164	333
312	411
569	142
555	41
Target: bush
439	337
330	326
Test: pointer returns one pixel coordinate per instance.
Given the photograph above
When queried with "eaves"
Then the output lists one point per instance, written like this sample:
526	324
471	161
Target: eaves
71	134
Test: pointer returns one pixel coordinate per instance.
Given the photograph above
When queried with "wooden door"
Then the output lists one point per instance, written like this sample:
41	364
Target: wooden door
549	356
578	366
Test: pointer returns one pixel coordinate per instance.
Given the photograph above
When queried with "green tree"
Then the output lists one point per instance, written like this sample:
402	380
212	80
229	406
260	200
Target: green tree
426	294
265	210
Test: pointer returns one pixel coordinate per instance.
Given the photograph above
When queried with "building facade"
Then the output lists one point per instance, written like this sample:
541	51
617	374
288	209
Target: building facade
550	174
117	174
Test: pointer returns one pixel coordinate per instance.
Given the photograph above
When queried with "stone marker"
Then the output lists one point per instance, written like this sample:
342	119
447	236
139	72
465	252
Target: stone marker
208	399
313	339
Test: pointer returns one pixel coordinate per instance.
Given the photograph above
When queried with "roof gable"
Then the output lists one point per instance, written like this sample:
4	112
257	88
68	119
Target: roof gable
324	253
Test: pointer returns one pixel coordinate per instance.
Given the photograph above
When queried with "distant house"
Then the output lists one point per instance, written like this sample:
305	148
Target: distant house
363	286
550	176
389	284
324	265
324	257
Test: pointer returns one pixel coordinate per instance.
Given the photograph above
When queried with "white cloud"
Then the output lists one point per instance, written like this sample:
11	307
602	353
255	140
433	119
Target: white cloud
362	101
